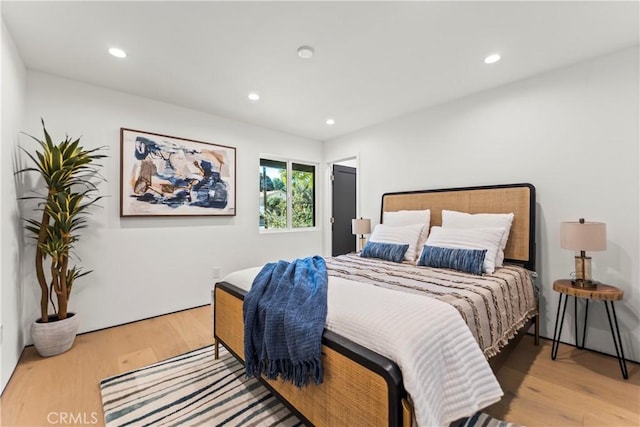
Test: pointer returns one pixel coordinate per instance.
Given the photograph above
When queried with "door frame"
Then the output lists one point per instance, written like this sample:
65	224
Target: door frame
354	161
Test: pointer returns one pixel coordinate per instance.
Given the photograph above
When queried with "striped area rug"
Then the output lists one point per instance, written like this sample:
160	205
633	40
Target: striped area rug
193	389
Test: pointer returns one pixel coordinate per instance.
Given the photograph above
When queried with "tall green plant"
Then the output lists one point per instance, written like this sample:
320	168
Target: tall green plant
70	176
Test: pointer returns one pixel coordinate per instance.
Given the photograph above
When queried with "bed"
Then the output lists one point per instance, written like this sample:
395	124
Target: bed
367	387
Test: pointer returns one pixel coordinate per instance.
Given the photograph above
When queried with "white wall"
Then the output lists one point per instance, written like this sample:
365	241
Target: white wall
13	99
573	133
149	266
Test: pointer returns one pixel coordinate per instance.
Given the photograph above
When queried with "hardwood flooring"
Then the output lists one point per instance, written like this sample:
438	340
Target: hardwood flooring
64	389
579	388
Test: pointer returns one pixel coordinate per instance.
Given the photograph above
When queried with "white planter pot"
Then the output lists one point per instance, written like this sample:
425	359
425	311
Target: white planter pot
55	336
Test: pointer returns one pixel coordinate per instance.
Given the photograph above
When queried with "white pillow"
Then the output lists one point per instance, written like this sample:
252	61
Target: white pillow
453	219
384	233
406	217
469	238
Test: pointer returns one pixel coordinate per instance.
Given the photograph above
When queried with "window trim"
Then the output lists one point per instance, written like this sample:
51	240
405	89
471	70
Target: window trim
290	161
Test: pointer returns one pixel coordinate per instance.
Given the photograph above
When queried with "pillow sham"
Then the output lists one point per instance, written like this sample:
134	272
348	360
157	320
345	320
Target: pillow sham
410	217
454	219
469	238
406	234
387	251
465	260
406	217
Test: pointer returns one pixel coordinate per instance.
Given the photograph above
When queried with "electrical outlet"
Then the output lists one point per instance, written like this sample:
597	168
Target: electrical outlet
216	272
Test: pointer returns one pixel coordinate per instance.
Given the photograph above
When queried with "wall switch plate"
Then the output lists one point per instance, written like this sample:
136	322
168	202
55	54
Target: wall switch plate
216	272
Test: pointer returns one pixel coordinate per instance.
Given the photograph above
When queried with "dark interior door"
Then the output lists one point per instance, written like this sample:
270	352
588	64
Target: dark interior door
344	210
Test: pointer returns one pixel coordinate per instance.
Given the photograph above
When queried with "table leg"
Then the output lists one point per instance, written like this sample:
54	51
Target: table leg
617	341
557	332
584	325
575	320
216	355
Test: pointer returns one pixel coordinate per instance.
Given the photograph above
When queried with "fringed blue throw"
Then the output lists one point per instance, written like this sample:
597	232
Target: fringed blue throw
284	316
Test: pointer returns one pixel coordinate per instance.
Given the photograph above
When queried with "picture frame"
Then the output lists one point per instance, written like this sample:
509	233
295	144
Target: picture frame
162	175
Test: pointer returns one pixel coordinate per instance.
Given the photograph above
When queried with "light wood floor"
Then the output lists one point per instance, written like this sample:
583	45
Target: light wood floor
44	390
579	388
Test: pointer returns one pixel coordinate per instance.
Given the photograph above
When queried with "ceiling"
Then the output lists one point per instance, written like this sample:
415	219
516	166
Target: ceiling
373	60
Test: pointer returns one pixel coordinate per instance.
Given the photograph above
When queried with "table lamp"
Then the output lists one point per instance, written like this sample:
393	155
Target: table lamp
361	226
583	236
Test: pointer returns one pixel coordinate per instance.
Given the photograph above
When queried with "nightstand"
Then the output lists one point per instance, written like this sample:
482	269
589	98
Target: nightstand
605	293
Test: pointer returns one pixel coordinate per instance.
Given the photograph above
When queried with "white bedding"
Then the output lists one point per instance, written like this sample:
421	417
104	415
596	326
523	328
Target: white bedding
443	369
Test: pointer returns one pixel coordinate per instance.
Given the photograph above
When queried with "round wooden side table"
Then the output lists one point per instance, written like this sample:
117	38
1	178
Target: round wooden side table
605	293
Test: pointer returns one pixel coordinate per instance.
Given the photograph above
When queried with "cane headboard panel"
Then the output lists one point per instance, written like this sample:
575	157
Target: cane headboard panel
516	198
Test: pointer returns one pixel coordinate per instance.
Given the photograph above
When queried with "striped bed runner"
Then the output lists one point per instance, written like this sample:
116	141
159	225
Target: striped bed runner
192	389
494	306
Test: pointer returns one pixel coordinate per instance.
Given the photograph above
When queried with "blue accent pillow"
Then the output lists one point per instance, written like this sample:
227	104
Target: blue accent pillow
387	251
465	260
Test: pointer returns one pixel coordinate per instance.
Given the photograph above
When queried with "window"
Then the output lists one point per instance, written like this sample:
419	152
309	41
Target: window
287	203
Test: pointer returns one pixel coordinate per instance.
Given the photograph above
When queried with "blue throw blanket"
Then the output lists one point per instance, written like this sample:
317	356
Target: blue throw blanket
284	316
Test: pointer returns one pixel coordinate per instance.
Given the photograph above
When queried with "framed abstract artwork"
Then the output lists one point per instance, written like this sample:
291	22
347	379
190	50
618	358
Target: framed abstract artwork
163	175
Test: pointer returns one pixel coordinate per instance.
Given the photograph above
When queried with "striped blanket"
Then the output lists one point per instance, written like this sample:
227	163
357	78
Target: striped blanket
494	306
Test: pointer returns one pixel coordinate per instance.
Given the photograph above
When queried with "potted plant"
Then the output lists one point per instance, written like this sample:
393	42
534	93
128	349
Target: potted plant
70	176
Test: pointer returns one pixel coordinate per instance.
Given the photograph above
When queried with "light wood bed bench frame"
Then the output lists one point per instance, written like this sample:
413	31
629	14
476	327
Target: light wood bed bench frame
361	387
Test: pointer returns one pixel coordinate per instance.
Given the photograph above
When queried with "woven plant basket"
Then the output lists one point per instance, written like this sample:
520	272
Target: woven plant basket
55	336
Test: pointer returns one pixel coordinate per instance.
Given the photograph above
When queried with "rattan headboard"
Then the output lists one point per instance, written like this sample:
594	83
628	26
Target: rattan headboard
516	198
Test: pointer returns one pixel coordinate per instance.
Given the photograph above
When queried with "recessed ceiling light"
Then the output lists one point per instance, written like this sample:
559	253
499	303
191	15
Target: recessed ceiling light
331	122
254	96
305	52
492	58
118	53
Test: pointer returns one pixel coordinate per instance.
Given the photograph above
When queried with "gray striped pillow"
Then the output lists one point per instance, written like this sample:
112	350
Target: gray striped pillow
387	251
465	260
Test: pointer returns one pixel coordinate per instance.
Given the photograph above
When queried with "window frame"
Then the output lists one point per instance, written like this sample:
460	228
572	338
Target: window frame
289	170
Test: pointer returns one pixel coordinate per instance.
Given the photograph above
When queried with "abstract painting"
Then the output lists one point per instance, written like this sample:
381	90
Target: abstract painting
164	175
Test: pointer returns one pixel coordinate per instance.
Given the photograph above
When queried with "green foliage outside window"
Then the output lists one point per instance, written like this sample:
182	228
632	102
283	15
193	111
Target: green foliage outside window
276	212
303	199
273	189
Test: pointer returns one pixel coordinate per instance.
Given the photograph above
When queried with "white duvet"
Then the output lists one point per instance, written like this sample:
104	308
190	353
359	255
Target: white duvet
443	369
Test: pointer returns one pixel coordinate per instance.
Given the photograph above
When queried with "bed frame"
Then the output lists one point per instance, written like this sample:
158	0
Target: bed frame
360	386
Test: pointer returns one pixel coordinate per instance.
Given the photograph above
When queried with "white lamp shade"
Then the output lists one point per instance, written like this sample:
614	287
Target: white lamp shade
361	226
583	236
